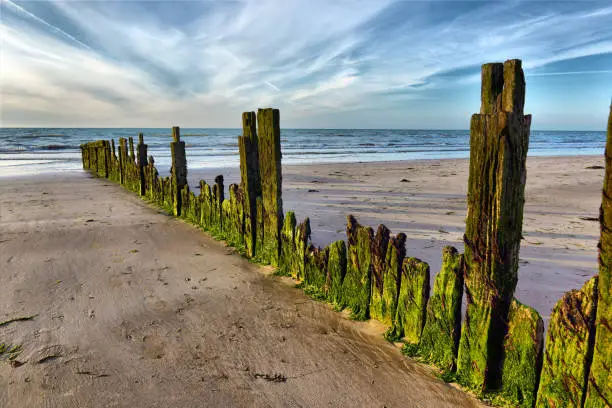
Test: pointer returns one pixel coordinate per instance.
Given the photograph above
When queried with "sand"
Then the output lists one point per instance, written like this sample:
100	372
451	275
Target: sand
134	308
560	226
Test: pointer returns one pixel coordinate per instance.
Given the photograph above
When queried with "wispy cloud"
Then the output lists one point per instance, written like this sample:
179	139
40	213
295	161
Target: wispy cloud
200	63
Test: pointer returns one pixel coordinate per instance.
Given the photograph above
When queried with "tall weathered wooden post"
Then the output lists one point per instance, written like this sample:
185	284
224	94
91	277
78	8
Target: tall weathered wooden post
499	138
114	156
249	177
179	168
599	391
132	155
122	159
268	130
142	163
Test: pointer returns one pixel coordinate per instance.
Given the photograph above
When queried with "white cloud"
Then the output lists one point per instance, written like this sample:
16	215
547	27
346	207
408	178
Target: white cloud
121	64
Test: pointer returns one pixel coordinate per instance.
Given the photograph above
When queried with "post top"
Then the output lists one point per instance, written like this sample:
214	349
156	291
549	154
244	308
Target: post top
503	87
140	138
176	133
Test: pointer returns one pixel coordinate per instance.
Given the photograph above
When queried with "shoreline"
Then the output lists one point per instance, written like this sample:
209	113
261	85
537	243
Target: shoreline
194	166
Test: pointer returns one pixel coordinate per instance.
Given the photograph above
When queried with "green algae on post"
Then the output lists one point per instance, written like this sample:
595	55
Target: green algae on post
302	241
315	267
249	178
218	196
440	339
259	232
235	222
569	348
522	355
496	196
356	286
269	146
336	270
288	252
379	257
396	252
206	205
599	390
179	168
412	301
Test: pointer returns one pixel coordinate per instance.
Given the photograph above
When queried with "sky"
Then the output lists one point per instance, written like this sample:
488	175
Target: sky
323	63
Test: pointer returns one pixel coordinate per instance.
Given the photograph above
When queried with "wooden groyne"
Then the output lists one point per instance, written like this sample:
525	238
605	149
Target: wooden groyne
497	349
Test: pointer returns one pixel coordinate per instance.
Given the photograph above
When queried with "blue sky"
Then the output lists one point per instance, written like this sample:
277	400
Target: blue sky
323	63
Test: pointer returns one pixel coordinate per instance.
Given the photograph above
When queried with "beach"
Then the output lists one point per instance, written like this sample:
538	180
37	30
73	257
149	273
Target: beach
120	305
132	307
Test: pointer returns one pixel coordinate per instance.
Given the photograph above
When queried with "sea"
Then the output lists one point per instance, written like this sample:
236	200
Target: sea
27	151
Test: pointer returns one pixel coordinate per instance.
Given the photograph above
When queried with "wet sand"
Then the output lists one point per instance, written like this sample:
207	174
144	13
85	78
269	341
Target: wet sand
133	308
427	201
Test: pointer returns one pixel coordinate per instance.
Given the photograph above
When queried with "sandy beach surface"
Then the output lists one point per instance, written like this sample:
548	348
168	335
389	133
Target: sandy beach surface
427	201
125	306
135	308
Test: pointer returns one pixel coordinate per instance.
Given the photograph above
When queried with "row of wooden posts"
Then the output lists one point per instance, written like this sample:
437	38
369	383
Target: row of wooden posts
498	346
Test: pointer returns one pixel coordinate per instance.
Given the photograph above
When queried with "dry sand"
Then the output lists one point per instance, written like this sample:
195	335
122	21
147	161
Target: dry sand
559	251
137	309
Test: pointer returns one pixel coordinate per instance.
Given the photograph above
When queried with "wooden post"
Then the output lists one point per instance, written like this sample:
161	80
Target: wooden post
440	339
569	349
122	159
268	130
249	178
132	155
179	168
599	391
142	163
379	268
499	138
218	192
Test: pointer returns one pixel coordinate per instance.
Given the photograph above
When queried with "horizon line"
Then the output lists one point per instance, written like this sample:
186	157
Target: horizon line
603	129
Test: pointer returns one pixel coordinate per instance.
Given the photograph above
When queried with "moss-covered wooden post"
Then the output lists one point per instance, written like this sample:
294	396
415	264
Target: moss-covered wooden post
302	242
315	267
523	349
569	349
235	225
286	262
151	173
142	164
107	158
499	138
218	192
179	168
132	154
440	339
599	390
123	160
379	256
412	301
396	252
114	162
205	205
357	283
259	230
336	270
249	178
268	131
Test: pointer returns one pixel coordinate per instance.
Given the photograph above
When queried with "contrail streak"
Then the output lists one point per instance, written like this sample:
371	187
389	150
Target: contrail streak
40	20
